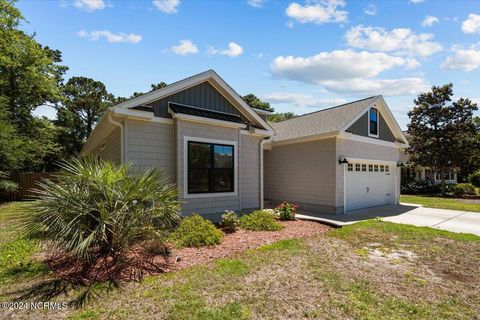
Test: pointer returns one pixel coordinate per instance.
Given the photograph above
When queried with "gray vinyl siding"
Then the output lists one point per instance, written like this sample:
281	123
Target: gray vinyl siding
248	166
150	145
361	126
203	95
360	150
112	150
302	173
249	173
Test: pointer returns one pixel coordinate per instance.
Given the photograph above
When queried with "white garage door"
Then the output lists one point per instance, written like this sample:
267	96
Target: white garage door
369	185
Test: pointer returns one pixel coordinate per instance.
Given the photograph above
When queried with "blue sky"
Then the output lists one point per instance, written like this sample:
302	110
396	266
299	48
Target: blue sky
300	56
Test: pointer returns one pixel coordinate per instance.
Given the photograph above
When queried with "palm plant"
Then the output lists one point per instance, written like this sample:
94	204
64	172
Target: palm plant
94	208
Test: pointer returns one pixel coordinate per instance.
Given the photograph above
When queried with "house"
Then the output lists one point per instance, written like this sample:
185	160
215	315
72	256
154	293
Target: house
412	172
223	154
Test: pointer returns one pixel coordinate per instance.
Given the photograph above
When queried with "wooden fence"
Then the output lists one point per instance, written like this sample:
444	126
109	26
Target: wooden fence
26	182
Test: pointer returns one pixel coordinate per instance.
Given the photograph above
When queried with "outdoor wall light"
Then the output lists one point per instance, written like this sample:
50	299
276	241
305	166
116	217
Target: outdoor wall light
400	164
342	160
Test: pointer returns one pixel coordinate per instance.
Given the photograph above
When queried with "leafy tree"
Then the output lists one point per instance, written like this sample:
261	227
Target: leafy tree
85	101
154	86
281	116
29	73
443	132
254	102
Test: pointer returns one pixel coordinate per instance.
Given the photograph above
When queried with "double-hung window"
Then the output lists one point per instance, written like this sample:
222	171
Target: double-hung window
373	122
210	168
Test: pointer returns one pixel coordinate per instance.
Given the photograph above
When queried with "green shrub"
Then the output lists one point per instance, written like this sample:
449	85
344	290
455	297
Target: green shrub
286	211
95	209
260	220
195	231
463	189
229	222
474	179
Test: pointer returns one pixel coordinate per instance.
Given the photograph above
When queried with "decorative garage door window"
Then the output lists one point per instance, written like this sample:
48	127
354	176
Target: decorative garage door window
368	167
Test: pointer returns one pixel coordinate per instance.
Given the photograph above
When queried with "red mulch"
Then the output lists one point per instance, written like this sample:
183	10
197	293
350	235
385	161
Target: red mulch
140	264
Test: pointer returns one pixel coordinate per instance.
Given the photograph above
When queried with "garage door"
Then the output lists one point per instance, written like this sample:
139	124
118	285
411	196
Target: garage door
369	185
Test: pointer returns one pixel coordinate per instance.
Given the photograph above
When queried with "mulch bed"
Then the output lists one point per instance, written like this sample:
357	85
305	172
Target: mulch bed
243	240
140	264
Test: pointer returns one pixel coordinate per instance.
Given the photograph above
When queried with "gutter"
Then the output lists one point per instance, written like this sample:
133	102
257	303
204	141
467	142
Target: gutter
262	143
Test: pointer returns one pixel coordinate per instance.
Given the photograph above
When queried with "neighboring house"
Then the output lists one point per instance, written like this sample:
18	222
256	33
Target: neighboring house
411	172
223	154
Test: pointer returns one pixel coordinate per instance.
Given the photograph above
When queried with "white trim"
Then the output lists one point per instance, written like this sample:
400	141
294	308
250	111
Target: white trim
378	122
262	143
186	195
354	137
314	137
221	123
262	111
213	78
374	161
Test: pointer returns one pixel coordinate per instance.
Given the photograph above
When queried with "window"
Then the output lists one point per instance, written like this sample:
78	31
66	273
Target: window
375	168
382	168
364	167
387	168
357	166
373	122
350	167
210	168
370	167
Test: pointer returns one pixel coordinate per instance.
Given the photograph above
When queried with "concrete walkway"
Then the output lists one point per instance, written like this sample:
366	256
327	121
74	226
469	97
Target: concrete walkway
451	220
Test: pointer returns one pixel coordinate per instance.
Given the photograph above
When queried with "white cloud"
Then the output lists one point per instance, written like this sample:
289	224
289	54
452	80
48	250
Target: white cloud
167	6
89	5
472	24
416	1
234	50
185	47
334	65
429	21
371	10
399	41
386	87
318	12
110	37
467	59
255	3
300	100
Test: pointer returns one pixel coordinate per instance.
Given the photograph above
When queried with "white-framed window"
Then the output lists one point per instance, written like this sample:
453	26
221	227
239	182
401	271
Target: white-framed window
382	168
387	168
357	166
375	168
373	122
350	167
364	168
370	168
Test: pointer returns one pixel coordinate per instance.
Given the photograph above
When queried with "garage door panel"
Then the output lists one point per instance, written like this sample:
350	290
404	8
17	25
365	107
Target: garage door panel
369	185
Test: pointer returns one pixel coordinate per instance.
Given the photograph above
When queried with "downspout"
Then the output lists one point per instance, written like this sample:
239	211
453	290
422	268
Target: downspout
261	169
122	138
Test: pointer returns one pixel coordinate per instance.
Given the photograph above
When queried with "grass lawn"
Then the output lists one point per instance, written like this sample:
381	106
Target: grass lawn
369	270
443	203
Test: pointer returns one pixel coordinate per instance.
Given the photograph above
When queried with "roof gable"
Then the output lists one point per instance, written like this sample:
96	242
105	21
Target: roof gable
214	80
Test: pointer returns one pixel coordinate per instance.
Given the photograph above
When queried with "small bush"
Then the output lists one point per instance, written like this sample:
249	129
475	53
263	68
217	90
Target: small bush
195	231
287	211
230	222
464	189
474	179
260	220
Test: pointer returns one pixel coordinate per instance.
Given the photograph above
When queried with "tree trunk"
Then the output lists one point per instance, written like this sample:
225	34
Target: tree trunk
442	175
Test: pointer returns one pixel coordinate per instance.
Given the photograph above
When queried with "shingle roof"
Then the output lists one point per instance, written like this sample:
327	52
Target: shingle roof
319	122
178	108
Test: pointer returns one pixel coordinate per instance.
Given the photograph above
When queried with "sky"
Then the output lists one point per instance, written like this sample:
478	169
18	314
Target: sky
301	56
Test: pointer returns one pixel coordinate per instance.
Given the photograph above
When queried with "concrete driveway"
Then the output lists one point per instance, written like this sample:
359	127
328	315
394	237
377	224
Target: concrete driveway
451	220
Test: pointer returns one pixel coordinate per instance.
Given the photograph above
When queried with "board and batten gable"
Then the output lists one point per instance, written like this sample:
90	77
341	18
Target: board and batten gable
202	95
360	127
